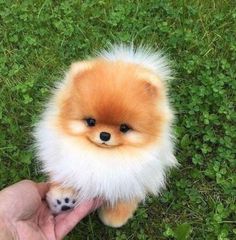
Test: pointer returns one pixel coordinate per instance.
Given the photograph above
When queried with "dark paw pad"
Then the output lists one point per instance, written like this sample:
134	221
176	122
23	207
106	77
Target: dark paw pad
65	208
64	204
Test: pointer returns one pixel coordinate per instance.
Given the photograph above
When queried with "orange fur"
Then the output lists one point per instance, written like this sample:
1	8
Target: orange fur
118	215
57	187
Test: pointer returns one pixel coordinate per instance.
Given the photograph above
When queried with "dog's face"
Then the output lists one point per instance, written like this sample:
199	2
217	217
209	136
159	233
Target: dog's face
112	104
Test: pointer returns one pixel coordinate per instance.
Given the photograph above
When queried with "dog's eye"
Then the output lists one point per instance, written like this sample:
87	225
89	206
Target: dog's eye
124	128
90	121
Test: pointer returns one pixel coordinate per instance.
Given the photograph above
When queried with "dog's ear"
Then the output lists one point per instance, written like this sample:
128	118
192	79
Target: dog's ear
151	83
75	71
78	68
150	88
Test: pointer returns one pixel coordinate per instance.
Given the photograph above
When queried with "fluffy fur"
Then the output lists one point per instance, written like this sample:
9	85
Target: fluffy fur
120	86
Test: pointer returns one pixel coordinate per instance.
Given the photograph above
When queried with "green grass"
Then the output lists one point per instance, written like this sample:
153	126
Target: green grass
39	39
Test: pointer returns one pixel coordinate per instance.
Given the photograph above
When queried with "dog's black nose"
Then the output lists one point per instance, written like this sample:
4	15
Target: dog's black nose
105	136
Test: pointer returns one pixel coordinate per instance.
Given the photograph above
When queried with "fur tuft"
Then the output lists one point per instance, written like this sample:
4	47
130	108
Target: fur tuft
143	55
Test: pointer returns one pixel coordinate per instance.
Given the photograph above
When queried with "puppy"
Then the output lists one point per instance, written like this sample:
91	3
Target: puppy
106	132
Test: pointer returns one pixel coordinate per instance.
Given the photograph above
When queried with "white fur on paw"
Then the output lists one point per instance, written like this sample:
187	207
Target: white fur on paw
61	199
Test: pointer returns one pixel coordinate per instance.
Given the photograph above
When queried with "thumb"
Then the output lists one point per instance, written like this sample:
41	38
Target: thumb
65	222
42	188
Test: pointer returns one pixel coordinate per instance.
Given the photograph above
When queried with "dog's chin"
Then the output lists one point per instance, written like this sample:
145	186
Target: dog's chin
103	144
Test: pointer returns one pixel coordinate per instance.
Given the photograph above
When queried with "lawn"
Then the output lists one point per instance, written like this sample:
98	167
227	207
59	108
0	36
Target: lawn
39	39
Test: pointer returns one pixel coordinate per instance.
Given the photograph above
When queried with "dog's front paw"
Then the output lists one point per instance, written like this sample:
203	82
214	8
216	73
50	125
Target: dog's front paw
61	199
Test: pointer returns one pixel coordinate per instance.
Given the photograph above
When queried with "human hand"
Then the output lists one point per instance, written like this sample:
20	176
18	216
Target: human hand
24	214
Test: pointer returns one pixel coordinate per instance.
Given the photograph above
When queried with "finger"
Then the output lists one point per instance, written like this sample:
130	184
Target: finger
80	211
43	188
67	221
46	221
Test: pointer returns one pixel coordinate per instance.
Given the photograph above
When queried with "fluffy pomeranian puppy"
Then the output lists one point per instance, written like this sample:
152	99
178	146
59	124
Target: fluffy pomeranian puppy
106	132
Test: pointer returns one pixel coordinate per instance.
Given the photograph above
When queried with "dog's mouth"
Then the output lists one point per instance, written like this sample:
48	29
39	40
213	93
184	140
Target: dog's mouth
103	144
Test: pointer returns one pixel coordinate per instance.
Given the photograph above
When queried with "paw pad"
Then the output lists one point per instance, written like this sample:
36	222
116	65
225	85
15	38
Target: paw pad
66	203
60	201
65	208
